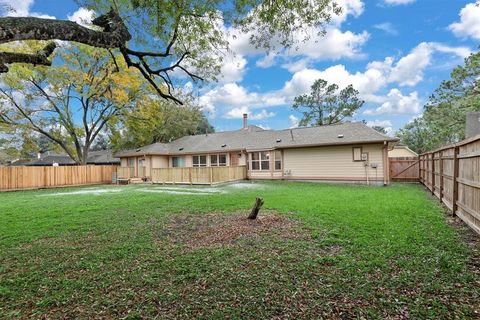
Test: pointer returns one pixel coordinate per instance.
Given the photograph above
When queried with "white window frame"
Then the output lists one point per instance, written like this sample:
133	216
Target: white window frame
263	160
217	162
279	160
198	163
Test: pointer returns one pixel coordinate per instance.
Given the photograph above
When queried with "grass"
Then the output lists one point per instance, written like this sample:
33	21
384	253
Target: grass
370	252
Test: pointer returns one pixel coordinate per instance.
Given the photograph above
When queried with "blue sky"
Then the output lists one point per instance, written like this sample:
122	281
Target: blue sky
395	52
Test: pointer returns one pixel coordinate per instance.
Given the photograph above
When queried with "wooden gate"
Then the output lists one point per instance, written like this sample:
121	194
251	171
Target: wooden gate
404	169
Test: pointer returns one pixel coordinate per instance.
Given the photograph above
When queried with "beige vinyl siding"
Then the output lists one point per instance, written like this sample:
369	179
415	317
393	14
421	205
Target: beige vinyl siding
123	162
334	162
242	160
401	152
159	161
265	174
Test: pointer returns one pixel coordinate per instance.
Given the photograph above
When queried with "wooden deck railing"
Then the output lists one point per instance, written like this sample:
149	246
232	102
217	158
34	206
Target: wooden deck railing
125	172
452	174
202	175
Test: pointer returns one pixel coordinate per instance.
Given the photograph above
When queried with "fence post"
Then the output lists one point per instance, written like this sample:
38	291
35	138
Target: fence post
190	175
420	169
433	173
440	195
455	180
211	175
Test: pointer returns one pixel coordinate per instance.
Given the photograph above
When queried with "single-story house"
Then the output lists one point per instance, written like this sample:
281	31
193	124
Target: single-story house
401	150
349	152
101	157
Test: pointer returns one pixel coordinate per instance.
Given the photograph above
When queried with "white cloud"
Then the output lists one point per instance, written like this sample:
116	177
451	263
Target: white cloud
387	124
267	61
336	44
354	8
469	25
82	16
235	96
237	113
387	27
366	83
294	121
398	2
409	69
378	75
233	68
397	103
20	8
264	114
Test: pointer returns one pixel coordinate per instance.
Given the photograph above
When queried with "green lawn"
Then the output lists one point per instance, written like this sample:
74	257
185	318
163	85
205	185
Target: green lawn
135	252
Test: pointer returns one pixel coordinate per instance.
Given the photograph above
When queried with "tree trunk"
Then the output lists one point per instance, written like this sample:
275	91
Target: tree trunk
256	208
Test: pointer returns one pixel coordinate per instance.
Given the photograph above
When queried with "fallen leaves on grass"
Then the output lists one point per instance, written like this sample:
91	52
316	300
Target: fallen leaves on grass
219	229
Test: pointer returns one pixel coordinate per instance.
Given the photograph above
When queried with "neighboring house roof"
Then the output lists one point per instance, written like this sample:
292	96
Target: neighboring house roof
255	138
19	162
94	157
404	148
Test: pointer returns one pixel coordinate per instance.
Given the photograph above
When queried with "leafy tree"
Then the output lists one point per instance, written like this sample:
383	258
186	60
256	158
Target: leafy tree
446	111
155	120
380	129
72	103
188	32
444	117
417	136
326	104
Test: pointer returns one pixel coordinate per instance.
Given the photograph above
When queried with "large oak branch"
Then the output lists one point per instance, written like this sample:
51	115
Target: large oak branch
114	34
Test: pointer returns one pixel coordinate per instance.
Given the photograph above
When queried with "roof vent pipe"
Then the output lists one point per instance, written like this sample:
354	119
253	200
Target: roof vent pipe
340	136
245	121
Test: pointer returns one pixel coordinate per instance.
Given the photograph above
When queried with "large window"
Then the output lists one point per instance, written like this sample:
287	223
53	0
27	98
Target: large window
199	161
131	162
218	160
278	160
178	162
260	161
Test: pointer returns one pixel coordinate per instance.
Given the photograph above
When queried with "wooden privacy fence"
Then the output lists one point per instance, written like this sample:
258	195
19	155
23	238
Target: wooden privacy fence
201	175
17	178
404	168
452	174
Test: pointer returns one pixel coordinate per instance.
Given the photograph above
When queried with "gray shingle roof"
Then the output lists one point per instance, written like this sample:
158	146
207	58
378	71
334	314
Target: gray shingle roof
255	138
94	157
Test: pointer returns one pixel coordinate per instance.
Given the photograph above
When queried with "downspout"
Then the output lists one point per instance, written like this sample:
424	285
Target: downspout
247	165
366	172
386	168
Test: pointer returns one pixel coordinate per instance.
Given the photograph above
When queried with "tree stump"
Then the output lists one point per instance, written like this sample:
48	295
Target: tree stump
256	208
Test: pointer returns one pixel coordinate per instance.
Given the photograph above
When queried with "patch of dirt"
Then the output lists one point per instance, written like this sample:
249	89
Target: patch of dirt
218	229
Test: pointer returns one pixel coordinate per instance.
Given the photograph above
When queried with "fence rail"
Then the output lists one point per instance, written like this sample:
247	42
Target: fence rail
201	175
452	174
17	178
